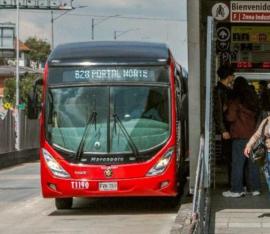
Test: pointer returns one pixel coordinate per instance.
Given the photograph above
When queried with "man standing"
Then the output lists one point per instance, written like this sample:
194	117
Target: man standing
222	93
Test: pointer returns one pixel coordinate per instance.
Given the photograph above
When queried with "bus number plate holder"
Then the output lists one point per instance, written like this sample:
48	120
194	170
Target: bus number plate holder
108	186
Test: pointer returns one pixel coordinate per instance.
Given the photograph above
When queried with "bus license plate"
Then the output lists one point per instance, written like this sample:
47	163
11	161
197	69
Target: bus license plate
108	186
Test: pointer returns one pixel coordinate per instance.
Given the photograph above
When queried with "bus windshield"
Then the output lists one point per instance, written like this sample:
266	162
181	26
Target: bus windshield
128	119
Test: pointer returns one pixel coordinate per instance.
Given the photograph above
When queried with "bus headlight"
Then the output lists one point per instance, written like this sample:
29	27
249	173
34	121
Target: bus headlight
161	164
54	167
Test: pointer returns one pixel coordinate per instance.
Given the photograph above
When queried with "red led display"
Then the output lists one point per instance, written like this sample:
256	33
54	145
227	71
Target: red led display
266	65
244	64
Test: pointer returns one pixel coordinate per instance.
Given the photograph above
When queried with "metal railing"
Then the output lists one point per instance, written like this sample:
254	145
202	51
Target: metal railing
29	133
200	196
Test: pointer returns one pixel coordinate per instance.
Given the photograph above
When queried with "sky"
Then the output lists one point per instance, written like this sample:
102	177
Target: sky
136	20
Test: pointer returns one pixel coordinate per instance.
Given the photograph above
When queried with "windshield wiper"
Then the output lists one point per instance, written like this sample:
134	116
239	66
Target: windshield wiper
92	118
127	136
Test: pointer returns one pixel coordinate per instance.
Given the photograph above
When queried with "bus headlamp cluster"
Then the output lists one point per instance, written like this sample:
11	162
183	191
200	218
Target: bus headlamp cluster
162	164
53	165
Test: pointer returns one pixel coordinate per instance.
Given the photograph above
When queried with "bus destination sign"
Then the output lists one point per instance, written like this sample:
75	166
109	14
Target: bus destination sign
109	74
62	75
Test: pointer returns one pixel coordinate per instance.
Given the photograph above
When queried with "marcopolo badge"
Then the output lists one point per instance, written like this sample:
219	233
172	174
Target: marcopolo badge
108	172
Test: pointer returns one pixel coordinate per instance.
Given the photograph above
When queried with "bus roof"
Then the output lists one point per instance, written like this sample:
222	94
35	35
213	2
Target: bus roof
109	52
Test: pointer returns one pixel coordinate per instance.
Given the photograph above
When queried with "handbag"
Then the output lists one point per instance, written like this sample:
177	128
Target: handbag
259	150
266	170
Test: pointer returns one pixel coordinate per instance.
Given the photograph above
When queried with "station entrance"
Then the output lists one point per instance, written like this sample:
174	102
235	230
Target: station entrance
243	41
235	33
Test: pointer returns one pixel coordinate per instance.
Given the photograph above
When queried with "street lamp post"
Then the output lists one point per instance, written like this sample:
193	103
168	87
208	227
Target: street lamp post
17	111
95	22
120	33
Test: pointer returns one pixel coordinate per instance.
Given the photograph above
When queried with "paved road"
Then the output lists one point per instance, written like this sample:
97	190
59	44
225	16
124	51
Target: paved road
23	210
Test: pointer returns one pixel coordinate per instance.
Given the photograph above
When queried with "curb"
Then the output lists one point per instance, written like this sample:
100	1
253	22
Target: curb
182	223
18	157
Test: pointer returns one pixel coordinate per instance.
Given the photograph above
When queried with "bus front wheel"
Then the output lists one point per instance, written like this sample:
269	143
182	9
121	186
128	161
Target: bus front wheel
63	203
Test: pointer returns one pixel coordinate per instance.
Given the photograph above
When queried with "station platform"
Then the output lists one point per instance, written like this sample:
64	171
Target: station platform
249	214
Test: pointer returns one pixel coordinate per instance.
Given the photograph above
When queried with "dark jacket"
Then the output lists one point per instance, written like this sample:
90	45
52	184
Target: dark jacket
264	99
222	94
242	120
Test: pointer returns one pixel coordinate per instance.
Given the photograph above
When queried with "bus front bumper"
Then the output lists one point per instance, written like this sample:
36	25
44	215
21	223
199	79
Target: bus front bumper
148	186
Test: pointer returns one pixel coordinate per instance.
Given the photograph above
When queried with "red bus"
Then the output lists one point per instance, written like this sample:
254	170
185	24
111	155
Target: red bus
113	122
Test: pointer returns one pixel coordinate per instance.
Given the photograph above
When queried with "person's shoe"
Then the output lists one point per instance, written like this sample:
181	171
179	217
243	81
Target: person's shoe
256	193
233	194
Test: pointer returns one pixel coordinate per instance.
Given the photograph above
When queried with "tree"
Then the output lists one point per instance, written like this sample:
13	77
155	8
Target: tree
39	49
26	88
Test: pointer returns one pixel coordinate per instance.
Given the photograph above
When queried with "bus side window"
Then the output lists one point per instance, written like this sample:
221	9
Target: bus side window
178	94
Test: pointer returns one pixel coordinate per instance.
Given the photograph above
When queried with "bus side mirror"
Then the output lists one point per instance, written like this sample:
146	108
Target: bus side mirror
33	107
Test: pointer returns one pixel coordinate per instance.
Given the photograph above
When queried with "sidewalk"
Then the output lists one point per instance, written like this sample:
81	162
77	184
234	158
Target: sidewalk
239	215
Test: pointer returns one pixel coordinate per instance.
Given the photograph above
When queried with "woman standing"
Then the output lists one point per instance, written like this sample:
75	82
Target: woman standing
242	114
263	130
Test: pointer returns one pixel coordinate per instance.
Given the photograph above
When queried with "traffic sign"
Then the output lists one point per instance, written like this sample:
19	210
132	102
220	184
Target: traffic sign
220	11
223	45
21	106
225	57
223	34
37	4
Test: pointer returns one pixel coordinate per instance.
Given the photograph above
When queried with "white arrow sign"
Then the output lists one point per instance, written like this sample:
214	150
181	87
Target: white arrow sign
223	34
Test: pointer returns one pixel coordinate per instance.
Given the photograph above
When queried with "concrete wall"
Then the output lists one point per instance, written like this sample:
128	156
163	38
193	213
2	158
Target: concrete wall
29	141
29	133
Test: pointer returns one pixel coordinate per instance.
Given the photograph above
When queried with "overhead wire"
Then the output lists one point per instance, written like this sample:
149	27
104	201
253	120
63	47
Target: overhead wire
116	17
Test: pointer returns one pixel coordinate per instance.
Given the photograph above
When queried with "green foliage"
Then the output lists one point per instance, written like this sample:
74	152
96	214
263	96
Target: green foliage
26	88
40	49
9	91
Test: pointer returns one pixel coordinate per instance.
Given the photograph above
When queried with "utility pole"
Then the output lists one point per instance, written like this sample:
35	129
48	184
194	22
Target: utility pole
120	33
97	22
52	30
93	29
53	19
